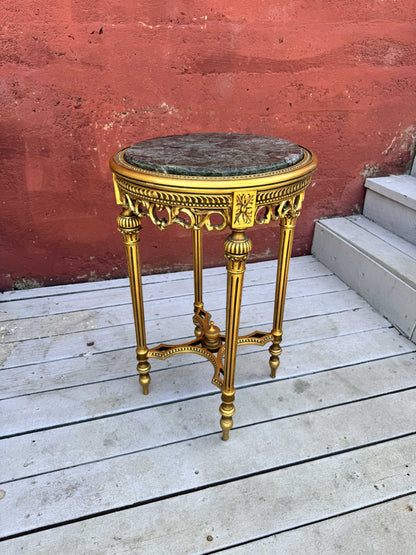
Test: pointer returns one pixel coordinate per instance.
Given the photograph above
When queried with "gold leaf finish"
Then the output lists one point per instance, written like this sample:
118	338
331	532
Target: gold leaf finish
211	203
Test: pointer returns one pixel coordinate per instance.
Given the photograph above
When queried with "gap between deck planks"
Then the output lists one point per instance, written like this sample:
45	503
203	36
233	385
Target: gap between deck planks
95	400
47	450
304	266
174	469
301	330
362	531
334	376
163	321
108	316
100	296
249	507
162	311
89	366
117	315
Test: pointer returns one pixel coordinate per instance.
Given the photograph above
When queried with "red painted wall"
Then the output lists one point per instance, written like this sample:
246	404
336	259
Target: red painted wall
81	79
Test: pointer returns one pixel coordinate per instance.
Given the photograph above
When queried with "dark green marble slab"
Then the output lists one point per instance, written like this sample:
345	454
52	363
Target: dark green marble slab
214	154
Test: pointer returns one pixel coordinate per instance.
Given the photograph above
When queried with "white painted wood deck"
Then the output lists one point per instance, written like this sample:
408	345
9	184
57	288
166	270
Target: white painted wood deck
320	460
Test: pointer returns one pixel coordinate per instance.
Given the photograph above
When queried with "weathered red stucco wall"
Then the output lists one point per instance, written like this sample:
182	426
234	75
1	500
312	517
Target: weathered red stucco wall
81	79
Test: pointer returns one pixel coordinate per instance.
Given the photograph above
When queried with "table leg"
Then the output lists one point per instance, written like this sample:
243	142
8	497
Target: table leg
197	260
129	225
237	247
287	227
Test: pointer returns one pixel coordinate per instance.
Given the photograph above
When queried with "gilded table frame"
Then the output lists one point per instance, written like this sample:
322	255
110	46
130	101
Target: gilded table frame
238	202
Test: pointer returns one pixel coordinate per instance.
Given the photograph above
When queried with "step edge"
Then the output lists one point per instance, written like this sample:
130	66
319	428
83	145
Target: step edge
393	216
406	278
408	327
383	186
399	242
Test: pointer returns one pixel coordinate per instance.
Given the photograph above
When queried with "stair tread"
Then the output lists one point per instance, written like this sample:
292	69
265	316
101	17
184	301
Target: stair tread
361	254
385	235
400	188
378	247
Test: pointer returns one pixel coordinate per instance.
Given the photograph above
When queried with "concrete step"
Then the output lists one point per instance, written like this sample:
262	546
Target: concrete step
375	262
391	202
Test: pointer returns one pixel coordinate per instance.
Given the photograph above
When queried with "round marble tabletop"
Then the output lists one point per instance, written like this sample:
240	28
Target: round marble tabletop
214	154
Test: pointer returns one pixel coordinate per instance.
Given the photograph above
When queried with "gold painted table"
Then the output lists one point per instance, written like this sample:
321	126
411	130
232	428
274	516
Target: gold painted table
243	180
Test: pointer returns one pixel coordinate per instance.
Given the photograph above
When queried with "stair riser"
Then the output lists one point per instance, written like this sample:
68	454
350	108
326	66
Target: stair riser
391	215
380	287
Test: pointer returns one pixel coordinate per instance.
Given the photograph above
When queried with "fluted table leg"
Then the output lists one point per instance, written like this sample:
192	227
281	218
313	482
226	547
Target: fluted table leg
287	227
237	247
129	225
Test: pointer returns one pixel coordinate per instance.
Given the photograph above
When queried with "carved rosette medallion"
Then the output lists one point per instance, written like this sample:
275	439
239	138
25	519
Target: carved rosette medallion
244	209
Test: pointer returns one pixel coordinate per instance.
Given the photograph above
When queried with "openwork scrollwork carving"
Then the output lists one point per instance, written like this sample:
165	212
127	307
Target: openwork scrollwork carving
286	211
173	215
213	212
164	216
210	226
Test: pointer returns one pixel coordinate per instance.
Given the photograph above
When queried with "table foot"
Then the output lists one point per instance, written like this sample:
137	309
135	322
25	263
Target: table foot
144	380
275	350
143	368
227	410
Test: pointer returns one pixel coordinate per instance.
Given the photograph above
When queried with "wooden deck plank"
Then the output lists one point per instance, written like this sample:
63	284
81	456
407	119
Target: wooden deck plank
120	337
93	400
103	339
56	324
173	469
364	531
148	473
93	285
108	365
296	264
244	509
98	296
62	447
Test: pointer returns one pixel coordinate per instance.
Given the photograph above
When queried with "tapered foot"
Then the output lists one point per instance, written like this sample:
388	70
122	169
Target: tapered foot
144	382
227	410
143	369
275	350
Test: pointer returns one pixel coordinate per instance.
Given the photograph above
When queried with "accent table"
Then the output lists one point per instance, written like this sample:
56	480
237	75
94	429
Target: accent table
211	181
